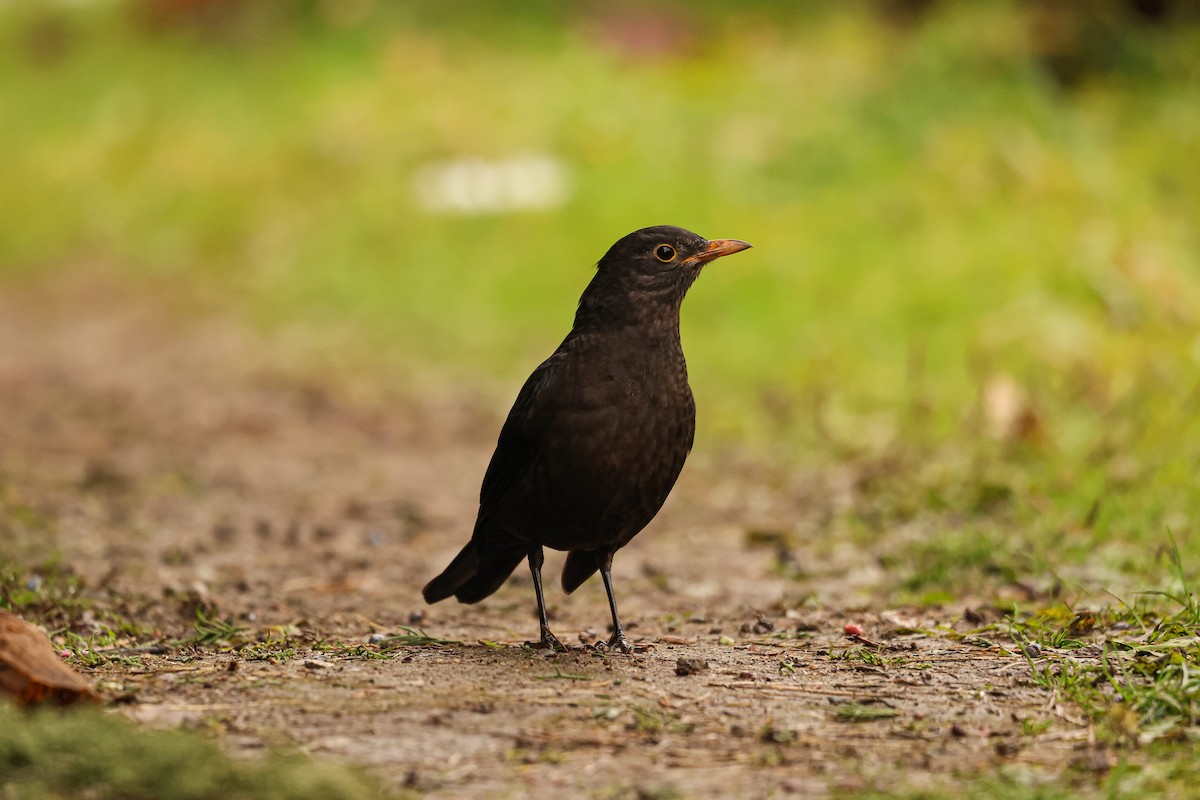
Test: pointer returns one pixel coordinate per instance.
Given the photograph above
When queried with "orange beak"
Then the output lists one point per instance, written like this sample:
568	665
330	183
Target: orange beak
720	247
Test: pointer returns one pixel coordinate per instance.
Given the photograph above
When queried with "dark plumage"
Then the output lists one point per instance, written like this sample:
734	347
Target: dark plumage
599	432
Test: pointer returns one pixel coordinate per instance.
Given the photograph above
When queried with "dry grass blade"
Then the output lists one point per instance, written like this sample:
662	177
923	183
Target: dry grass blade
857	712
413	637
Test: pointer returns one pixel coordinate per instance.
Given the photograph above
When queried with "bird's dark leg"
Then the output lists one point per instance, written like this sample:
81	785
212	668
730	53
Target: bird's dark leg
549	640
617	641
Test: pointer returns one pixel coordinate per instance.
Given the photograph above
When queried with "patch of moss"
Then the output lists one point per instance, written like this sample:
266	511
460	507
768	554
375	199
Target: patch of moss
90	753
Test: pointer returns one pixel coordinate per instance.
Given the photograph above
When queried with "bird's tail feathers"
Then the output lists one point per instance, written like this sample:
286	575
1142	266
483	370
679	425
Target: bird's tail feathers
490	576
461	569
580	566
480	568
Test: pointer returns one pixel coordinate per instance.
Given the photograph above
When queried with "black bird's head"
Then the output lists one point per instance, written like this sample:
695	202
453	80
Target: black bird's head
651	270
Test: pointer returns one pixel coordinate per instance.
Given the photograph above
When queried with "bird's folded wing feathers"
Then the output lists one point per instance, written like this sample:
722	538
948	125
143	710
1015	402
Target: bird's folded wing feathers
517	446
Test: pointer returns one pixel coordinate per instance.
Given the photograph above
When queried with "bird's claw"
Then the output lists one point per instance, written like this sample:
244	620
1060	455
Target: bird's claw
549	642
619	643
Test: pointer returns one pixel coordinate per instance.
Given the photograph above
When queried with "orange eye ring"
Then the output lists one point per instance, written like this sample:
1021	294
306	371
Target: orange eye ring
665	253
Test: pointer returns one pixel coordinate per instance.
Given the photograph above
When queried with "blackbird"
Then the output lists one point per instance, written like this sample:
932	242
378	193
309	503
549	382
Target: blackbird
598	433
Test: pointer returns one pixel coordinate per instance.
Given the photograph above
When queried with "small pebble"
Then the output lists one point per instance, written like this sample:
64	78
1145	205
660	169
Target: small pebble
690	666
726	641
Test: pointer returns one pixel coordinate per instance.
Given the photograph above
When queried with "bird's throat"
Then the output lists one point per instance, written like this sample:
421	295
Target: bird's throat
607	307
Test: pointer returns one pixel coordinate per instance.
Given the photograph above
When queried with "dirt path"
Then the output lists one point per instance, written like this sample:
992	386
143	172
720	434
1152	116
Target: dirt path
179	465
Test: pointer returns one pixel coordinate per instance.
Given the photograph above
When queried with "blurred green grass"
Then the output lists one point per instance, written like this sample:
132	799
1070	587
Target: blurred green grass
49	755
933	212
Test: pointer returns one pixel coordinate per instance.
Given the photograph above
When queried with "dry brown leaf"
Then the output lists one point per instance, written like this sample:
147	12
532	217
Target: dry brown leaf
30	670
1008	411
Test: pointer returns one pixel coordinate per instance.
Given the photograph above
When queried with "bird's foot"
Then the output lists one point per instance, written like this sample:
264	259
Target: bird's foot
619	643
549	642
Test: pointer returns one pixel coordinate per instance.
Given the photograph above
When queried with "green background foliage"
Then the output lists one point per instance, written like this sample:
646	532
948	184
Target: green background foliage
972	195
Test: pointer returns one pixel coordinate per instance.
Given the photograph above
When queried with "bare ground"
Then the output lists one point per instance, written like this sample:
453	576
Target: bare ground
179	464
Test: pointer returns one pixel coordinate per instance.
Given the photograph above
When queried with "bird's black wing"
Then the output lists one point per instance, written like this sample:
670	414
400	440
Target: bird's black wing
517	446
494	552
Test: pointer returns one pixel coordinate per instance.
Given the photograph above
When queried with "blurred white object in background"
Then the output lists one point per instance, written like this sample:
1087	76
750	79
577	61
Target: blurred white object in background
477	186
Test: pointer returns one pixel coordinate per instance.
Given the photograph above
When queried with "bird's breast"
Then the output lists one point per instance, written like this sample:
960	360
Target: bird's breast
610	451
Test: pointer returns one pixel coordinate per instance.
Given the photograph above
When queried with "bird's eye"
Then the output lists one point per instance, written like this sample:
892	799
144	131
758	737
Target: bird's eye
664	253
